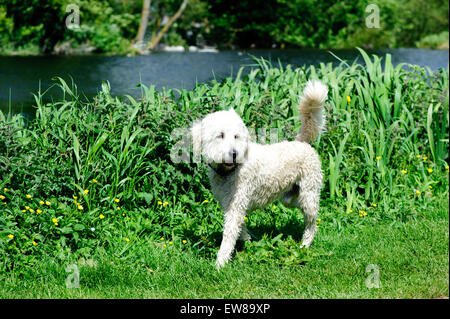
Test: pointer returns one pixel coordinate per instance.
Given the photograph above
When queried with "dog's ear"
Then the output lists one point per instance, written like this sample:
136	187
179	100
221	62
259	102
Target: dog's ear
196	138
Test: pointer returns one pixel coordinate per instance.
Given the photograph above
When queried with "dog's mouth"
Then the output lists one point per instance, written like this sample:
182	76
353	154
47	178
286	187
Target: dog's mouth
226	166
224	169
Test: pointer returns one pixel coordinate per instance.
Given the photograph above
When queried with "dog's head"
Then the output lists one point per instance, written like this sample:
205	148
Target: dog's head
221	139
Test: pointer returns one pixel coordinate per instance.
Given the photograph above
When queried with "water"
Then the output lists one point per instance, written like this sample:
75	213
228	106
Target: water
21	76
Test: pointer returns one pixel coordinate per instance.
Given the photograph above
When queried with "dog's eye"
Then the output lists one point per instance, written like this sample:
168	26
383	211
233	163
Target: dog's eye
236	136
221	135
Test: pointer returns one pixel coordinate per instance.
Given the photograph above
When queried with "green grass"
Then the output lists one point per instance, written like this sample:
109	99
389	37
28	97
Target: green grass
151	228
412	258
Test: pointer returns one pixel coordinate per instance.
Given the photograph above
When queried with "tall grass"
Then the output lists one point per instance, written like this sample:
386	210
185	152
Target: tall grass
104	164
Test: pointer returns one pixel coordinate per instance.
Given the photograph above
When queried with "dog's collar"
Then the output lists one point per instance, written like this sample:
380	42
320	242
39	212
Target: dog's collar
223	172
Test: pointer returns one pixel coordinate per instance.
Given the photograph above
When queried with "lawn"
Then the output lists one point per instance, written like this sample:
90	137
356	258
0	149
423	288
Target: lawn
90	187
412	258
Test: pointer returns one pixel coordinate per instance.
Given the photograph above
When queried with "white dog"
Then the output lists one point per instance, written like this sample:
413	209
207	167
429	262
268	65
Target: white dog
246	175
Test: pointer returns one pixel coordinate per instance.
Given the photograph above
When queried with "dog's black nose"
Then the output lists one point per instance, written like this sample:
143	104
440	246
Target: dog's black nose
234	154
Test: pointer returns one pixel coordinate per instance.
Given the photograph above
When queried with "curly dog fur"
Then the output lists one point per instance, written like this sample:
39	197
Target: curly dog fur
245	175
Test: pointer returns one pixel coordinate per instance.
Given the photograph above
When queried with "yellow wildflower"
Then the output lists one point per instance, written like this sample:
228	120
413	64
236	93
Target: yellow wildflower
38	211
184	241
41	202
47	203
74	197
378	157
34	243
162	238
170	243
430	170
94	180
80	207
127	239
2	197
10	236
28	196
348	99
165	245
159	202
205	201
5	189
118	208
54	220
417	192
418	156
23	210
425	158
31	210
374	205
102	216
404	171
86	191
117	200
245	218
165	204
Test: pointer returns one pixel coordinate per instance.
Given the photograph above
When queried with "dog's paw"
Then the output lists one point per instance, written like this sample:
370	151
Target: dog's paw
220	263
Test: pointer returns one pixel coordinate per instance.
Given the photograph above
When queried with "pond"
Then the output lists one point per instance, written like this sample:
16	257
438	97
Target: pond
22	76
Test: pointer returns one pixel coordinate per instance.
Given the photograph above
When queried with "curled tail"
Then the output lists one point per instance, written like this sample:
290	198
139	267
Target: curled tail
311	111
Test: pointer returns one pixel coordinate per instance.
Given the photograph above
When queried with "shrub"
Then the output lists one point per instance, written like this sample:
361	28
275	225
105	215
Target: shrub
434	41
104	165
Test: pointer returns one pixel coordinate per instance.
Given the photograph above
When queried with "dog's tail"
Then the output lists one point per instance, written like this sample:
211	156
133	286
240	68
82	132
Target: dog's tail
311	111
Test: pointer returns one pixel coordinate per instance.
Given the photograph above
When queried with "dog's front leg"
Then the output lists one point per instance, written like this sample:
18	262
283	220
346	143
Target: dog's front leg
234	218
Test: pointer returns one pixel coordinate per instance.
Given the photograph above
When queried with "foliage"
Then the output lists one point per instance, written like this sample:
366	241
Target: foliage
87	176
32	22
434	41
174	39
324	24
31	26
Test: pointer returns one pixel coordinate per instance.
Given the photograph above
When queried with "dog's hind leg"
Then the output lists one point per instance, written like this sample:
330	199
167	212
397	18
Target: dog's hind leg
308	199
